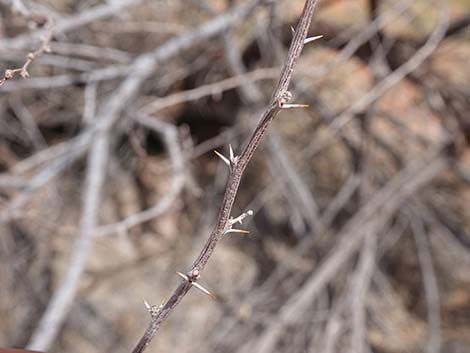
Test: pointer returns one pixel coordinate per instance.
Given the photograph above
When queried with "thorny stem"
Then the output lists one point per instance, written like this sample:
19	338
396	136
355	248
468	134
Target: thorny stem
280	97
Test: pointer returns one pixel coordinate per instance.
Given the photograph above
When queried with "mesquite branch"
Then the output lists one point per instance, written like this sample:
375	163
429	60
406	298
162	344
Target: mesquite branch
279	100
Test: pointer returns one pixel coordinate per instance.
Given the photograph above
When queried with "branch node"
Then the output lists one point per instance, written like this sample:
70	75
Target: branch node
192	277
284	98
24	73
8	74
153	309
232	160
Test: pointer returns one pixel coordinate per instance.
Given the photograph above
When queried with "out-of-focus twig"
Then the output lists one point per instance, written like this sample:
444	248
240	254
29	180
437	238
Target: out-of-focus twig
23	70
62	299
170	136
67	24
431	288
361	282
210	89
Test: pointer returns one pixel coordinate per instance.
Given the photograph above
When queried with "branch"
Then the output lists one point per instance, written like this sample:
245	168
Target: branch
359	293
237	166
62	299
23	70
210	89
431	287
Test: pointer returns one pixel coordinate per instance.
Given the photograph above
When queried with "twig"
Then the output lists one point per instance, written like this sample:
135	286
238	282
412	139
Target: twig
67	24
29	124
333	327
296	191
341	198
170	136
89	104
62	299
238	164
23	70
210	89
361	282
60	159
102	74
431	287
110	112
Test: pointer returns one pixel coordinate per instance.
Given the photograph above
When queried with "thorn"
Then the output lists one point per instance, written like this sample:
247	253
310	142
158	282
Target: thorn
231	152
292	29
312	39
182	275
147	305
237	231
204	290
288	106
197	285
226	161
153	309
